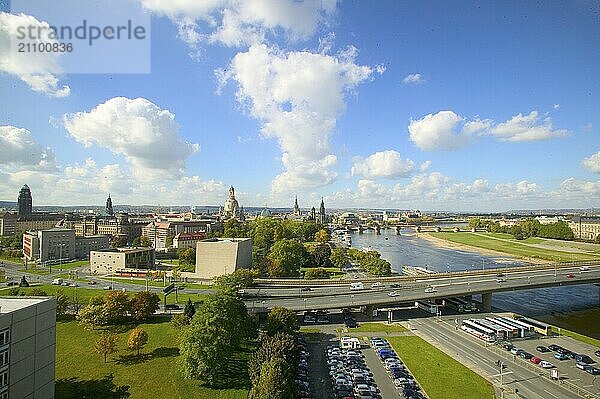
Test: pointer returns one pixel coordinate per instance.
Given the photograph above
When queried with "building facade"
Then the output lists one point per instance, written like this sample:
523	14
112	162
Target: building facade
27	347
187	240
585	228
218	256
158	232
24	202
114	259
56	245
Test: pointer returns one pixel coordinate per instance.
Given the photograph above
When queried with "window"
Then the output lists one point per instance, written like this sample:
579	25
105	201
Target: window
4	359
4	337
4	395
4	379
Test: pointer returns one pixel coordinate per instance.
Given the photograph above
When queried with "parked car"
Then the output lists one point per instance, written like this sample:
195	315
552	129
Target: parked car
525	355
561	356
581	366
597	353
554	347
545	364
592	370
584	359
542	349
535	360
507	346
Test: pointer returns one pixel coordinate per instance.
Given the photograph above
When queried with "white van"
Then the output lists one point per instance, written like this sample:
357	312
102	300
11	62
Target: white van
357	286
57	281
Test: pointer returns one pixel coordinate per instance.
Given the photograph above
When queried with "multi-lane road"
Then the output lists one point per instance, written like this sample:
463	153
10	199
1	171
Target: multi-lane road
442	286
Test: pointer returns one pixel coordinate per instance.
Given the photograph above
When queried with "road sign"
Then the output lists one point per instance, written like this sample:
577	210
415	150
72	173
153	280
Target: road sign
167	290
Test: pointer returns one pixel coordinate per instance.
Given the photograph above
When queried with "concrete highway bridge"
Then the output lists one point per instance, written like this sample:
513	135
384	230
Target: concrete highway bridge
332	294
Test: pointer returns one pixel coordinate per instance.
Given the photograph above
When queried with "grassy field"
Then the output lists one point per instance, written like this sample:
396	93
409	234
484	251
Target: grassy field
378	327
439	375
513	247
84	294
159	283
152	375
11	259
41	272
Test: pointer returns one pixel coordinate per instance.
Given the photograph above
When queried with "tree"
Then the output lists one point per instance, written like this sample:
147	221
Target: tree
281	320
240	278
143	305
189	309
187	255
137	242
235	229
321	255
38	292
275	382
106	344
62	303
316	273
169	241
145	241
119	240
92	316
279	345
220	325
176	274
137	339
322	236
290	256
116	306
339	257
179	321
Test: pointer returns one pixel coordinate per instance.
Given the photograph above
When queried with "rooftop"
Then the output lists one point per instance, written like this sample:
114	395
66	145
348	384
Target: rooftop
12	304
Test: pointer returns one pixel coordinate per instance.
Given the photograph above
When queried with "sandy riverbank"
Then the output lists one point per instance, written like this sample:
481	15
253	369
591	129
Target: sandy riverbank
503	257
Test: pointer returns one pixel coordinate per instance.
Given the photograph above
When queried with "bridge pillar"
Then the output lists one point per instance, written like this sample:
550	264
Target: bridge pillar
360	230
486	302
378	230
397	230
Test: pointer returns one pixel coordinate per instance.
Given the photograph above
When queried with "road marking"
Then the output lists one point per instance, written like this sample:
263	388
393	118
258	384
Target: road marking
550	393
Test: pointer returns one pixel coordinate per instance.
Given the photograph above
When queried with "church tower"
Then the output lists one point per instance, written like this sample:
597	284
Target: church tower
296	211
322	217
109	206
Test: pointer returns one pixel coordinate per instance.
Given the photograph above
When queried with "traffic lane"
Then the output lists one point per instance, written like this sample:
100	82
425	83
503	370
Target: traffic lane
566	368
455	342
380	375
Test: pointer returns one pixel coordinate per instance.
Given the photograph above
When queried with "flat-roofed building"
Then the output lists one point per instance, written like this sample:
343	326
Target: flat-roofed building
218	256
27	347
188	240
54	245
111	260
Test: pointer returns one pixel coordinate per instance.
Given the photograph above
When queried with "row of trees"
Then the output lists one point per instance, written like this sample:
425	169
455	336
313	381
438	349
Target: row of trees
116	308
107	343
272	367
529	227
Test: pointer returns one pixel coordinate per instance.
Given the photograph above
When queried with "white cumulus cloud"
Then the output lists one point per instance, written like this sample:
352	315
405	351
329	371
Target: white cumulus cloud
414	78
447	130
592	163
384	164
41	71
298	97
19	149
237	23
146	135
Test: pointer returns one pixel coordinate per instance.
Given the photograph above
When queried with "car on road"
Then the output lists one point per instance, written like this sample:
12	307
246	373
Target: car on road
395	285
561	356
535	360
11	283
73	285
542	349
108	287
545	364
393	293
430	290
306	289
584	268
92	282
501	280
570	275
499	274
172	306
377	285
57	281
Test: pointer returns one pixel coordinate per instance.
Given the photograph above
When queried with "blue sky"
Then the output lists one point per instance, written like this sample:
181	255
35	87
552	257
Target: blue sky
483	106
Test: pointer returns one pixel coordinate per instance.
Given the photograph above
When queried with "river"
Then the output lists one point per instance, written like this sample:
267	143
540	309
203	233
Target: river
409	249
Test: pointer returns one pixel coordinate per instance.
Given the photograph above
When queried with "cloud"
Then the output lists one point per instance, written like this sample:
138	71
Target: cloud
527	128
236	23
18	149
447	130
592	163
146	135
39	70
414	78
556	106
298	97
443	131
384	164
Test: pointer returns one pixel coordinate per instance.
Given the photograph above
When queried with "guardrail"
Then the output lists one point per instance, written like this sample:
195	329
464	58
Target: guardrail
398	279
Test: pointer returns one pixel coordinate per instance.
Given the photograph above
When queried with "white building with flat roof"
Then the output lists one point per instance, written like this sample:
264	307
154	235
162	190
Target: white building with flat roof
27	347
219	256
108	261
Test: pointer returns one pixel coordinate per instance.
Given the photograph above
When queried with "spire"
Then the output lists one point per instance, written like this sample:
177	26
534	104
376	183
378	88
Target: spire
109	205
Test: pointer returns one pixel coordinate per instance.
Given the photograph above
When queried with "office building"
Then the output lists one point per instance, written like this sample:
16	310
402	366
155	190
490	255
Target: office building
56	245
111	260
27	347
218	256
24	202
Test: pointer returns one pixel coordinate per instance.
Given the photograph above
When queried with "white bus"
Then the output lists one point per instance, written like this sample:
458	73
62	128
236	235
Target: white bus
427	306
478	331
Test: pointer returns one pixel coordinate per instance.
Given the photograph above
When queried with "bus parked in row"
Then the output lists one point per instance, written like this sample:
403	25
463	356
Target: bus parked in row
478	331
429	307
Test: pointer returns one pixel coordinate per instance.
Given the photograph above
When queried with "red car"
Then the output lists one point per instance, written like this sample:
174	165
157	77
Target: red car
535	360
570	275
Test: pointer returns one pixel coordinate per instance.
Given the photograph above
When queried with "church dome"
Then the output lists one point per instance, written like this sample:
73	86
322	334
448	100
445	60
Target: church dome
265	213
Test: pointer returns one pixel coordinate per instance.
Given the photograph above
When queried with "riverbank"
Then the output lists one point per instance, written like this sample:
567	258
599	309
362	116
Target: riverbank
446	244
585	322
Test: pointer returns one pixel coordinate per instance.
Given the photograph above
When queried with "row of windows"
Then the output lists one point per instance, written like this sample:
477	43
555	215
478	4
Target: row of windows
4	337
4	357
4	379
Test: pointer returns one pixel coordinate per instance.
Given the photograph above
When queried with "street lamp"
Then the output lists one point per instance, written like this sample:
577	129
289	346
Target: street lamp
304	300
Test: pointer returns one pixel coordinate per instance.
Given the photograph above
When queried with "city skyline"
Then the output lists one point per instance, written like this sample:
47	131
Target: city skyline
481	107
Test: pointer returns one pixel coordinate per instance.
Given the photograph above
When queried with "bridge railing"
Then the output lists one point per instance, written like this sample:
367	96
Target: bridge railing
421	277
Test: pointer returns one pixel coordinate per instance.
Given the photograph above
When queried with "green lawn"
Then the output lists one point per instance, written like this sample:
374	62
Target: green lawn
513	247
153	375
378	327
439	375
11	259
41	272
84	294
